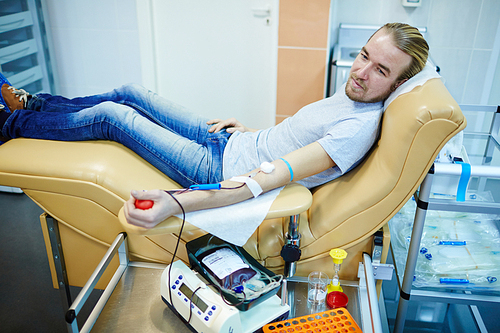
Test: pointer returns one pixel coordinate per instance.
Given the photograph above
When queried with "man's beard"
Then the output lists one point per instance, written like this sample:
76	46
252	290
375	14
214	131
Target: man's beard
355	98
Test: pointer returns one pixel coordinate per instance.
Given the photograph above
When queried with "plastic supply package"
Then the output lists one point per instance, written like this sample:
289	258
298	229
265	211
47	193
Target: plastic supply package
242	281
457	251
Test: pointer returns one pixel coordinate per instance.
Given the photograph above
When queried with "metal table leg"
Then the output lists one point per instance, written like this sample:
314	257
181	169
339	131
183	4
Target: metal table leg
119	246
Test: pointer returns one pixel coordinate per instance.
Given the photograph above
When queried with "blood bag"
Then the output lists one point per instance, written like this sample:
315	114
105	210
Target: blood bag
227	267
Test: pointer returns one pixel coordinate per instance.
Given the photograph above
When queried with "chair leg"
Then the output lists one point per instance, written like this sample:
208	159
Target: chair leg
57	253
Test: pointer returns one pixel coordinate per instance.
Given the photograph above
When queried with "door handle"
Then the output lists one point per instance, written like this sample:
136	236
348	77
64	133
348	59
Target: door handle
262	12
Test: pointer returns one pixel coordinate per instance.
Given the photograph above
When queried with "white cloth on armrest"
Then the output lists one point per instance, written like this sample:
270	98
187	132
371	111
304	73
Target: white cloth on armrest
429	72
234	223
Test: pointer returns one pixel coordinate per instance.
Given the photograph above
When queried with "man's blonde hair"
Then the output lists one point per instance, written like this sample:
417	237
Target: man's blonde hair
409	40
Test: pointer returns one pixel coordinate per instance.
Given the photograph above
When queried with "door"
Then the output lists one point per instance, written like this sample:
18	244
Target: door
217	58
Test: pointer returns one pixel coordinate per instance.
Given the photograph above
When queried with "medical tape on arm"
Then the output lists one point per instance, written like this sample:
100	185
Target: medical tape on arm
252	185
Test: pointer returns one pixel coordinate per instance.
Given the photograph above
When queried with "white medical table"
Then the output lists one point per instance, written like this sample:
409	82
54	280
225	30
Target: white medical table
482	149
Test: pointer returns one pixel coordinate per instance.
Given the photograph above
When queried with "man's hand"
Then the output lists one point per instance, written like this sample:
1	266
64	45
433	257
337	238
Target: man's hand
163	207
231	125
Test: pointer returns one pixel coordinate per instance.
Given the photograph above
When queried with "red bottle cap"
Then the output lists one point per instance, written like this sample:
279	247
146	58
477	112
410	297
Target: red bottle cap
337	299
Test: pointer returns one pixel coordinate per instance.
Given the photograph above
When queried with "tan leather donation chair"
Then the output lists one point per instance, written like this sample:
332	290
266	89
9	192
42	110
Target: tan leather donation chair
83	186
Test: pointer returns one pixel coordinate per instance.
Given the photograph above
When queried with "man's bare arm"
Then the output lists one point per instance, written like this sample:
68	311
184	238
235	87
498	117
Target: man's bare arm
305	162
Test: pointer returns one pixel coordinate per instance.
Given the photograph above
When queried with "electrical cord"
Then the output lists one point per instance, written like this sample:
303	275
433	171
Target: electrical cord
176	247
191	304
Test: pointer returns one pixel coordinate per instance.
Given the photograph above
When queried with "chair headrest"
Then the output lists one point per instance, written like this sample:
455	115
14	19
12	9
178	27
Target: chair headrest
429	72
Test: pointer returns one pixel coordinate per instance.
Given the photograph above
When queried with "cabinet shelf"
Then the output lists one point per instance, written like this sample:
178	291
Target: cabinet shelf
15	21
17	51
25	77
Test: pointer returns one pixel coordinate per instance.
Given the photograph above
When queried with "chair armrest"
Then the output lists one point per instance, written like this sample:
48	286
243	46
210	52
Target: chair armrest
292	200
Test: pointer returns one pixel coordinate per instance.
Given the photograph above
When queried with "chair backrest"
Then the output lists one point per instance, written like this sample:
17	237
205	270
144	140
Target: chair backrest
415	127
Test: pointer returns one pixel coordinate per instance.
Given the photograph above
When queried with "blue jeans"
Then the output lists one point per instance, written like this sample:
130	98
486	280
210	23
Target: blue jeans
174	140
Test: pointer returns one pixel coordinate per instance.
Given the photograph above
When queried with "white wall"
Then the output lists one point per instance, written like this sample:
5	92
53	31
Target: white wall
461	35
95	45
96	42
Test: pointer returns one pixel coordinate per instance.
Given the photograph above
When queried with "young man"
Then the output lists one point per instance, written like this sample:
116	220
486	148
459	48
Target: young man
319	143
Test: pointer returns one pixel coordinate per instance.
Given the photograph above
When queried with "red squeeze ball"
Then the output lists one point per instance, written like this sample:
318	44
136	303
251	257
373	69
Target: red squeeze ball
143	204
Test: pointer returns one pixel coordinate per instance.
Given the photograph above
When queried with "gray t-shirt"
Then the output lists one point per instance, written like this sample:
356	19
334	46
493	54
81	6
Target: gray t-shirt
345	129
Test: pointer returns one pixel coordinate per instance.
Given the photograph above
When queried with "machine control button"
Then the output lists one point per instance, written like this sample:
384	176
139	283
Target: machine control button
177	281
210	313
180	277
214	307
206	318
174	286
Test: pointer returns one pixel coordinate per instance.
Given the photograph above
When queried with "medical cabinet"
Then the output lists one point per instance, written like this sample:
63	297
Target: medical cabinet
442	224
